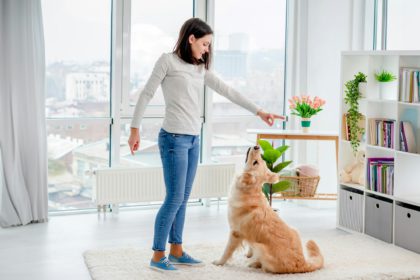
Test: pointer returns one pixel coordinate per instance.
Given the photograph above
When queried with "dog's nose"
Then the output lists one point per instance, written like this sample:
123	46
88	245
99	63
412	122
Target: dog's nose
256	147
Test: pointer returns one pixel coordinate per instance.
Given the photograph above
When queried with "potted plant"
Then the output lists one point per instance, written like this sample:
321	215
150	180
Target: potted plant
386	86
353	115
305	107
270	156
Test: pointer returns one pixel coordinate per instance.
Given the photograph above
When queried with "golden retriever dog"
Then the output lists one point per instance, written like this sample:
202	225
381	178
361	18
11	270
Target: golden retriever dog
273	245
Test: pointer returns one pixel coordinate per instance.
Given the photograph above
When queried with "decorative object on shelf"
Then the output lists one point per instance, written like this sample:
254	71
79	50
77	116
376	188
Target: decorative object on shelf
353	115
305	107
386	87
354	172
270	156
363	89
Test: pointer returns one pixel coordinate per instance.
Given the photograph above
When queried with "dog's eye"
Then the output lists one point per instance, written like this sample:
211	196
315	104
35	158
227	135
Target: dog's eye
255	162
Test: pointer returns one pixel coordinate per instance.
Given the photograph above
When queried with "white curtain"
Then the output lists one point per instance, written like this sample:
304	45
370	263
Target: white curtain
24	197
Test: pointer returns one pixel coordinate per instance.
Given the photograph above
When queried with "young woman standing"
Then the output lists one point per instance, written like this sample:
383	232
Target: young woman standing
182	75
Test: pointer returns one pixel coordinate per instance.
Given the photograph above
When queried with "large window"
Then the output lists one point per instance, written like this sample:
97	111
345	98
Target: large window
78	81
249	56
77	48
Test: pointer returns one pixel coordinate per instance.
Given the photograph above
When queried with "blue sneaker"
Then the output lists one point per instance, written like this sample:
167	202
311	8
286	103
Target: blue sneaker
162	265
185	259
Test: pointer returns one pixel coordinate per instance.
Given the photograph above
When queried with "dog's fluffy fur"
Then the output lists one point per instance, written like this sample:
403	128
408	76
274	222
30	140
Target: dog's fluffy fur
274	246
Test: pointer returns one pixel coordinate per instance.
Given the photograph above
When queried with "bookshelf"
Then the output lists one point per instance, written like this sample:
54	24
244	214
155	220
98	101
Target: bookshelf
393	217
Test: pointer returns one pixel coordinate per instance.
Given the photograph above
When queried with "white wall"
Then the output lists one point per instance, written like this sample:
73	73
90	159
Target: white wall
331	27
329	33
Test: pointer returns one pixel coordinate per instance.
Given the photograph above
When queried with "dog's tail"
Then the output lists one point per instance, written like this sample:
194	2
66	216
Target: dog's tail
315	260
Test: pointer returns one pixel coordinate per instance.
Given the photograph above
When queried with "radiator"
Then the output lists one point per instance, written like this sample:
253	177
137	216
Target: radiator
145	184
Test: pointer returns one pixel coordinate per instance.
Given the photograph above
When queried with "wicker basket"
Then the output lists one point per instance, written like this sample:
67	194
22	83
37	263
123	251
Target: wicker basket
300	186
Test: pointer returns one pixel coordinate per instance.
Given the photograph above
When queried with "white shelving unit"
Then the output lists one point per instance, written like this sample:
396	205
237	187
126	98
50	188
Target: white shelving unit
392	218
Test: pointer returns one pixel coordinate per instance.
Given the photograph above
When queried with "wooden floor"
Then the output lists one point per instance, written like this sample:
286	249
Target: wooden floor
54	250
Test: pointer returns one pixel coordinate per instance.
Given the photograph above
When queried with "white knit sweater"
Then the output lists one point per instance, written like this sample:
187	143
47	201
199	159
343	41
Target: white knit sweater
182	85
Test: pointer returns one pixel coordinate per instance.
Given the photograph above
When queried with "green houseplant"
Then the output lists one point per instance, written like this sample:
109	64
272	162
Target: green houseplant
353	115
385	76
387	88
270	156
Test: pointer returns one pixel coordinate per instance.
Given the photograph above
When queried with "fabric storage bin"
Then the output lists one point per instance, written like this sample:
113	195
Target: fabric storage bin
407	226
378	217
351	208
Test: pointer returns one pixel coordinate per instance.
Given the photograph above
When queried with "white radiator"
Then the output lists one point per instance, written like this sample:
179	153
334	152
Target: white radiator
145	184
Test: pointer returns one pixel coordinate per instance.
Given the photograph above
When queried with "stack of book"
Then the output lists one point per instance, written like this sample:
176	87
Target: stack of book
346	128
382	132
381	175
409	85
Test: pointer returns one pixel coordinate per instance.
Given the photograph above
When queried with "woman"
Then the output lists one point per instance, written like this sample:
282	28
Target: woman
182	75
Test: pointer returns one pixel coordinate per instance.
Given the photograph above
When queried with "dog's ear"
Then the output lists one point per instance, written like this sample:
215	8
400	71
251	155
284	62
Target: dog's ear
248	178
271	177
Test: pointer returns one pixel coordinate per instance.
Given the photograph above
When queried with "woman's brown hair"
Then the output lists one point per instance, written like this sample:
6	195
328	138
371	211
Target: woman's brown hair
198	28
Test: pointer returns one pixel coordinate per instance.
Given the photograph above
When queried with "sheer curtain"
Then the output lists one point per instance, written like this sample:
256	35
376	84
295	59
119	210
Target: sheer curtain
24	197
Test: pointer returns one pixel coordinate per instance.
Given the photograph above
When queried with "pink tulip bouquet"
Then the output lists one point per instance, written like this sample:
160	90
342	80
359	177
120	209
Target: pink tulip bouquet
305	106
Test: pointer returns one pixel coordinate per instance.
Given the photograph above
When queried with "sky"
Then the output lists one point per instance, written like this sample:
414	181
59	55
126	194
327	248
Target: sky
80	30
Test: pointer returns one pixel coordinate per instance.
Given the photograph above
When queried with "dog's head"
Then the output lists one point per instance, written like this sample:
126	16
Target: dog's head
256	171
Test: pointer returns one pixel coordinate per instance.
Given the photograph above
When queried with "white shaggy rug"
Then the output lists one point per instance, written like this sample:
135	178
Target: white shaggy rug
347	256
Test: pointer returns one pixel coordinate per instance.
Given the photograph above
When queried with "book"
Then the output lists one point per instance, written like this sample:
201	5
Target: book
346	127
409	139
380	173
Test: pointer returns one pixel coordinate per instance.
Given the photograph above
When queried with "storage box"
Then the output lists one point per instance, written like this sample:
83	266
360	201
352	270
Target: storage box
351	208
378	217
407	226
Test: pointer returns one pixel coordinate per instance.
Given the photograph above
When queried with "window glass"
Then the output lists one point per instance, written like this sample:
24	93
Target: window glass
249	56
73	155
148	153
402	28
155	27
77	51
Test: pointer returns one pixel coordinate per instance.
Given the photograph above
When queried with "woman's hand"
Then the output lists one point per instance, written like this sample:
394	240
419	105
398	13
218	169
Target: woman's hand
134	140
269	118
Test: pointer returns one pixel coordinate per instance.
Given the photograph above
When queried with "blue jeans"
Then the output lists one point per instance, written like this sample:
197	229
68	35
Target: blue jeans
179	154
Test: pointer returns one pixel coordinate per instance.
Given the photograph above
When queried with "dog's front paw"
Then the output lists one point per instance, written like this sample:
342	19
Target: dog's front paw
255	264
218	262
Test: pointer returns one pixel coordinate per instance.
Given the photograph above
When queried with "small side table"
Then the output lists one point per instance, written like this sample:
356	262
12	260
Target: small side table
300	135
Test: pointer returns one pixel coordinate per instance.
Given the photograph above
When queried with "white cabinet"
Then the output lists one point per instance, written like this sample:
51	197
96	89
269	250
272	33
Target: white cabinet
403	199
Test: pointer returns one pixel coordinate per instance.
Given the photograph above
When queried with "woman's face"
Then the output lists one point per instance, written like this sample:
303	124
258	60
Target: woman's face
200	46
